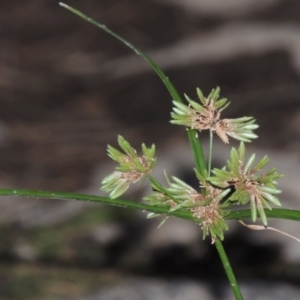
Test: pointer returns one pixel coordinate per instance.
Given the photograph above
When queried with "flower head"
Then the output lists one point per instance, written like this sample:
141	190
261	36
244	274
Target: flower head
132	168
239	129
206	115
248	185
206	207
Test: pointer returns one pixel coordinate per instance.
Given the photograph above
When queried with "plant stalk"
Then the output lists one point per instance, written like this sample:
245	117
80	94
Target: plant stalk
278	213
161	188
97	199
211	137
198	153
226	264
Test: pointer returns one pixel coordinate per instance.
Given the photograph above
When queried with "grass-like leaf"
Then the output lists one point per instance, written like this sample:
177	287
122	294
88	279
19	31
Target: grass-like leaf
195	143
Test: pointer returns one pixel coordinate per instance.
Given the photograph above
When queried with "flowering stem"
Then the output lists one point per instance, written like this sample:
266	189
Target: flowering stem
97	199
211	136
160	188
197	152
233	283
278	213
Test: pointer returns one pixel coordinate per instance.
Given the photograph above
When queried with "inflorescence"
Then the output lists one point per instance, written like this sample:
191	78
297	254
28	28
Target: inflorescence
237	183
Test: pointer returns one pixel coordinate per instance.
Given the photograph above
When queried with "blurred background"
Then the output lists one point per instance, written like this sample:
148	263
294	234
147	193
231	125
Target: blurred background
67	89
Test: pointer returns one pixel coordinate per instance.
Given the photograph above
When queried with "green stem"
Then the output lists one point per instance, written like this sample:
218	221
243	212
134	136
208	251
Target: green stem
278	213
161	188
211	136
226	264
197	152
91	198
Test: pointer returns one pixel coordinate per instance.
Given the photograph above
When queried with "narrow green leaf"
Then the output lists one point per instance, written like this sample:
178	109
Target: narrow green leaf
198	153
278	213
159	72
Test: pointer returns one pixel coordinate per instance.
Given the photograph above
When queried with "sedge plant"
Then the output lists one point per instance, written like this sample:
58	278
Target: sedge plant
241	182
